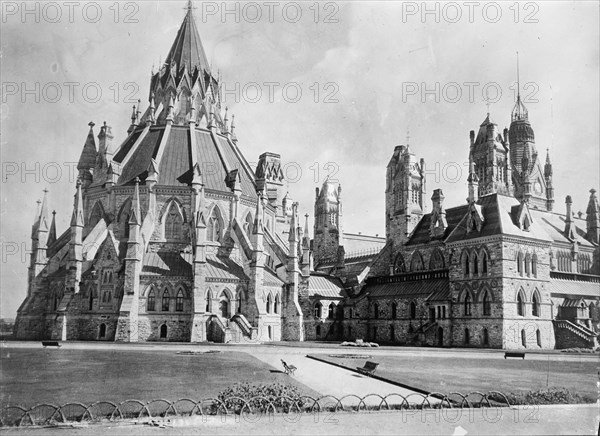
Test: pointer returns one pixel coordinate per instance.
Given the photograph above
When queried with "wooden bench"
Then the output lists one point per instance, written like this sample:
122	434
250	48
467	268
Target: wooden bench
369	368
520	354
51	344
289	369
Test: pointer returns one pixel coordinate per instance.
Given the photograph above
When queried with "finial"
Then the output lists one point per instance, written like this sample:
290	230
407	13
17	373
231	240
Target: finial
53	212
407	136
137	180
91	124
45	191
518	81
189	6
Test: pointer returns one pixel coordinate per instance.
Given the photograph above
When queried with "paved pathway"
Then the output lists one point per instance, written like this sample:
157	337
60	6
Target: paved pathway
331	380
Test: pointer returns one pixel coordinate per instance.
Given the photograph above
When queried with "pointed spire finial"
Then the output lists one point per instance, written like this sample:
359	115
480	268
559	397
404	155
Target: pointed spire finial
518	80
91	124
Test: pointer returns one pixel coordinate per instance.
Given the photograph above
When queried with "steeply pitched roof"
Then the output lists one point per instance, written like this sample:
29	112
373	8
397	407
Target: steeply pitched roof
187	48
215	155
574	288
322	285
422	288
500	214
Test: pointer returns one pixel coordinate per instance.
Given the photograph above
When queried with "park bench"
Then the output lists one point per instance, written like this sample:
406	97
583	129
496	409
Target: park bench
289	369
50	344
520	354
369	368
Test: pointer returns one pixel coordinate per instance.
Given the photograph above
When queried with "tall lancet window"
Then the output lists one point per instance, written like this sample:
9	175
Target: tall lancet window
214	228
173	225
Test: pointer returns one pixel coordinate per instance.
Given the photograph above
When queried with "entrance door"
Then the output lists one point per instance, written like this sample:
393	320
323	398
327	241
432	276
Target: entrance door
440	333
432	313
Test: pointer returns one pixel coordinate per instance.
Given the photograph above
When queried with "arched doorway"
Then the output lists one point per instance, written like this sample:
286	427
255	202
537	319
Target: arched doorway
224	305
163	331
102	332
440	337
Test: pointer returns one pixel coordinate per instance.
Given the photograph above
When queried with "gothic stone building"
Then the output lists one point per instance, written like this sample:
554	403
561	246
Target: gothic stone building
174	237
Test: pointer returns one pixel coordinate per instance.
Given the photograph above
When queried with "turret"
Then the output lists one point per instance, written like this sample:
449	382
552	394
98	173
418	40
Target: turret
75	259
328	233
306	254
438	224
39	237
404	193
549	186
570	230
269	176
593	219
87	159
473	182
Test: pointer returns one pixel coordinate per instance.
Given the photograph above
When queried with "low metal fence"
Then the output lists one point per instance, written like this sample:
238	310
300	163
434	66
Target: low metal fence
51	414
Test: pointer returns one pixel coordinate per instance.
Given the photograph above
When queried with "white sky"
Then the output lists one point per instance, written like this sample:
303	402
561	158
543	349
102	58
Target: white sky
368	58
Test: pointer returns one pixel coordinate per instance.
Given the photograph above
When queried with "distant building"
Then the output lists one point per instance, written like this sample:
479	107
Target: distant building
173	237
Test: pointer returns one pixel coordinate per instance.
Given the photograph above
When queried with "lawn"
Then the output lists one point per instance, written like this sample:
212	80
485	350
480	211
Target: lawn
28	377
447	374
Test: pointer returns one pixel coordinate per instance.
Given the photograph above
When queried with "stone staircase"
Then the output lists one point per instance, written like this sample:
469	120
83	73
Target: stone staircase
568	334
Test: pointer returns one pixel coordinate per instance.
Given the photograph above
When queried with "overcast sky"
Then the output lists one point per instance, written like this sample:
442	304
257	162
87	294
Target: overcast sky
367	72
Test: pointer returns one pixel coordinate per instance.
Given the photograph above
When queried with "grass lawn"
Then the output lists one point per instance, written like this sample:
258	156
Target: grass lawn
448	374
28	377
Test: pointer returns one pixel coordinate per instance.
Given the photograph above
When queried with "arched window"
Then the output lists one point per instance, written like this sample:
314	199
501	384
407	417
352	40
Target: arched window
248	223
269	303
528	264
538	336
416	262
165	300
467	304
331	311
394	310
317	309
276	305
215	226
475	264
467	337
173	224
399	265
484	263
591	310
486	337
224	305
209	301
102	332
57	298
523	338
270	332
520	304
465	263
163	331
520	263
534	265
375	311
487	304
179	301
392	333
436	261
318	330
91	300
535	304
413	310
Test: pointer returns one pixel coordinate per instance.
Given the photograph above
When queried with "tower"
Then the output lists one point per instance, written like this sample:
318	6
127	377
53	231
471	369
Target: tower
404	194
527	175
328	240
489	152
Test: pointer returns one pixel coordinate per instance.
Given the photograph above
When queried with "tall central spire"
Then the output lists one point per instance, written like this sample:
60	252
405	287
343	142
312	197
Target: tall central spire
187	50
519	111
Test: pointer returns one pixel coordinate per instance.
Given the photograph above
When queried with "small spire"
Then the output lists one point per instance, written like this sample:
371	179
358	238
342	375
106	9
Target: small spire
134	219
52	232
77	217
232	129
226	121
519	111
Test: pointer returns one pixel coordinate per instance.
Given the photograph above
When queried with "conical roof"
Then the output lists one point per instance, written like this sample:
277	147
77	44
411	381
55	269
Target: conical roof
187	48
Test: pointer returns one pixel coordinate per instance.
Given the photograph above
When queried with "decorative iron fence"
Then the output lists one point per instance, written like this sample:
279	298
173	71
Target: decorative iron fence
50	414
